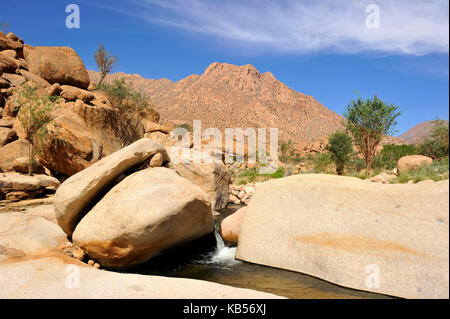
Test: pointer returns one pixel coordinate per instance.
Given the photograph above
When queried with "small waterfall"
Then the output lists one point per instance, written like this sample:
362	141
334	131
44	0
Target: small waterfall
222	255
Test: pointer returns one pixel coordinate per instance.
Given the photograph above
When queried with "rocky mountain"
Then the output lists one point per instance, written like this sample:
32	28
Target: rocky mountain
227	95
418	133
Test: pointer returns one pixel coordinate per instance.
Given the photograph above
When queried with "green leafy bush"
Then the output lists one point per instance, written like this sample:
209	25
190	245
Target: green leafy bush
436	171
436	145
128	107
322	163
340	150
34	116
388	157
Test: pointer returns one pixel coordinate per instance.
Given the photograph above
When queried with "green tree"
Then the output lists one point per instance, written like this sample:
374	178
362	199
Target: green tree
104	62
368	122
340	149
436	145
34	116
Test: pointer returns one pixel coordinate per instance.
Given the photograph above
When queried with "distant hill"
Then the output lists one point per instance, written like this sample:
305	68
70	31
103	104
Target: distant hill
230	96
418	133
227	95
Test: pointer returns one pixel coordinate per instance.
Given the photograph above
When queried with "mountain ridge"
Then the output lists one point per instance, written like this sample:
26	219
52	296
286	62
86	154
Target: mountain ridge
230	96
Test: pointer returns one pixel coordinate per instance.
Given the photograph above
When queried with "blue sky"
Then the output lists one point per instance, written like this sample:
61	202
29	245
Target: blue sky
320	48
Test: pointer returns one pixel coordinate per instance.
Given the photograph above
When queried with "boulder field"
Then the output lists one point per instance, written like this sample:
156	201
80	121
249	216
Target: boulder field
124	209
389	239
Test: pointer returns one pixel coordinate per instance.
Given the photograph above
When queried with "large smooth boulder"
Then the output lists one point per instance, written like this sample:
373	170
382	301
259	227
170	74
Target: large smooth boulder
213	178
11	151
147	212
389	239
411	162
69	145
79	193
57	65
230	227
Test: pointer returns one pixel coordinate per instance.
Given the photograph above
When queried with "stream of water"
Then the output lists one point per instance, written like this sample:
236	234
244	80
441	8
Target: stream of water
210	259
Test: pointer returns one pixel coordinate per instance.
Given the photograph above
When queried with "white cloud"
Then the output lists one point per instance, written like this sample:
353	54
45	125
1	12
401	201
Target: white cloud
413	27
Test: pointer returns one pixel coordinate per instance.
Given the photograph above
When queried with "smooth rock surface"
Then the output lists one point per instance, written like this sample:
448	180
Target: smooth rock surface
231	226
32	265
213	178
79	192
147	212
57	65
345	231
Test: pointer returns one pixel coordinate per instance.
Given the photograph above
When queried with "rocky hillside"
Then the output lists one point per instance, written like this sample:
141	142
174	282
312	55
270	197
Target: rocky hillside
227	95
418	133
82	128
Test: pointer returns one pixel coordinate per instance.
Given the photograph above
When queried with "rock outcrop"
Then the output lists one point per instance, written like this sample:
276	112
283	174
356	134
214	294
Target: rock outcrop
57	65
390	239
78	194
15	186
213	178
34	266
69	146
411	162
10	152
147	212
83	125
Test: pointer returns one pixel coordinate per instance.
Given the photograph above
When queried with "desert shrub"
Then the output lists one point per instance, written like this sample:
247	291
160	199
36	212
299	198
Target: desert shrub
128	106
340	150
388	157
436	146
438	170
186	126
34	116
322	163
251	175
357	164
286	150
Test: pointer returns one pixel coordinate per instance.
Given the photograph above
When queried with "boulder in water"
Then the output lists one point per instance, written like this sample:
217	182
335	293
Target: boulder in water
147	212
390	239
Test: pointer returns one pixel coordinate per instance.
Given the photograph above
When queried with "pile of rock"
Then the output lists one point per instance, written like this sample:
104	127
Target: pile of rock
82	129
383	178
241	194
122	211
15	186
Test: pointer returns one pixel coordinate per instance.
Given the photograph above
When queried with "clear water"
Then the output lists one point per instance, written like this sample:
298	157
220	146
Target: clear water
210	259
